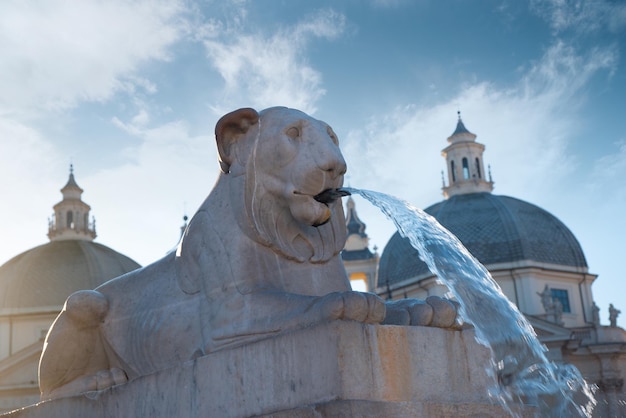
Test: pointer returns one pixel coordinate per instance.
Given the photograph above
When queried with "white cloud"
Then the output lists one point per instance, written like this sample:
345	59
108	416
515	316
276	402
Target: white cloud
322	24
56	53
581	15
526	129
170	172
269	70
28	167
562	72
519	136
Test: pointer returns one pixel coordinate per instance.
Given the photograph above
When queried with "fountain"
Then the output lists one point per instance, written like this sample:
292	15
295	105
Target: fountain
253	314
523	372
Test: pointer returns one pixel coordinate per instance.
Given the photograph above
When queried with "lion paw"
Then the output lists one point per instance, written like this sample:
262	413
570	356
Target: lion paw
434	312
355	306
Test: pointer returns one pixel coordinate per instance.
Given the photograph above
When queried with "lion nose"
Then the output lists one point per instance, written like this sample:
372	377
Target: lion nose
333	163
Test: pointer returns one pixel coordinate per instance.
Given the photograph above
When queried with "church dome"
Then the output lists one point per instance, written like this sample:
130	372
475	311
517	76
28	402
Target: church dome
495	229
41	278
46	275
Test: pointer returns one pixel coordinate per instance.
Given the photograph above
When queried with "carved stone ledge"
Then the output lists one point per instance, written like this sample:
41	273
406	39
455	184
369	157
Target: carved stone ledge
338	369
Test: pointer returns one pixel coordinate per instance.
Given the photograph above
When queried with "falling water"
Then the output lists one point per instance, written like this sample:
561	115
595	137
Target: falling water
523	373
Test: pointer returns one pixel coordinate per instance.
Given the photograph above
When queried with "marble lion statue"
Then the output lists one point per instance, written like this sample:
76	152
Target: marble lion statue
260	257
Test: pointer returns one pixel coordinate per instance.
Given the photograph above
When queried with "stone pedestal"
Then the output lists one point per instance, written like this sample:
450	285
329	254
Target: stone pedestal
336	369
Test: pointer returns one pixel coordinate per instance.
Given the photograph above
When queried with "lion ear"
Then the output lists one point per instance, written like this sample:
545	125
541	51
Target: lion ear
229	129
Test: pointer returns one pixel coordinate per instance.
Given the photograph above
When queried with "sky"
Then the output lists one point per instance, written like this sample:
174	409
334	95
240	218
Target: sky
129	91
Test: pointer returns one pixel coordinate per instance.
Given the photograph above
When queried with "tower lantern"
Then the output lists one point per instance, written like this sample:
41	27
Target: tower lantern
464	162
71	215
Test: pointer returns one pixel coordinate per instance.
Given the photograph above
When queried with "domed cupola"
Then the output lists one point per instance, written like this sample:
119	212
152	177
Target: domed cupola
464	160
496	230
522	244
41	278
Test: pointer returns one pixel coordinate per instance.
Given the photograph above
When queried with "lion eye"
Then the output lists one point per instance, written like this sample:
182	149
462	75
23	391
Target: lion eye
293	132
332	135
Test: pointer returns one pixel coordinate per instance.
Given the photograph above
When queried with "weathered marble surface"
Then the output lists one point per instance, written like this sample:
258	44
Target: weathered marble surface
260	257
334	369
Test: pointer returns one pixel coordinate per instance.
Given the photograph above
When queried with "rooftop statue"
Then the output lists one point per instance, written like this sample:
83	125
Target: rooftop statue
613	314
260	257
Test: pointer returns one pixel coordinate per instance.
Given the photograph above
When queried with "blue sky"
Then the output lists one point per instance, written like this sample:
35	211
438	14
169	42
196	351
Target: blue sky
130	91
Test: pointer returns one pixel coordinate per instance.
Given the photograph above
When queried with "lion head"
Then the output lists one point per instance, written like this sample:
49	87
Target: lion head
278	160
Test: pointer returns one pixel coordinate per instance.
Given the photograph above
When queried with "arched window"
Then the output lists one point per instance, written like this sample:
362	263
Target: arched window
452	171
478	167
70	219
465	169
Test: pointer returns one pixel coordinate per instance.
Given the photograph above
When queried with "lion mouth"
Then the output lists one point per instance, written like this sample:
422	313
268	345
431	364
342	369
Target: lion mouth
330	195
319	213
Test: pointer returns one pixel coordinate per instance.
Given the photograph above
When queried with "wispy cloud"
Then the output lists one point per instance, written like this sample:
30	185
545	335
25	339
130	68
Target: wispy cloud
266	70
186	167
57	53
562	71
582	15
27	164
526	128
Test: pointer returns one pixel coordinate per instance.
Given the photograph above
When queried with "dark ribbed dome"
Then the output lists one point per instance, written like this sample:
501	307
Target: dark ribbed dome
45	276
495	229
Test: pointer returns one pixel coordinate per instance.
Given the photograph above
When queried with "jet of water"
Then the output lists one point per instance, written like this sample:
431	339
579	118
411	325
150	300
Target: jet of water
519	365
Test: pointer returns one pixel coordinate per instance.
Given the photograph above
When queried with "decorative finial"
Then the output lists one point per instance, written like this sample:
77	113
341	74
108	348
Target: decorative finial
458	112
489	170
443	181
71	168
183	228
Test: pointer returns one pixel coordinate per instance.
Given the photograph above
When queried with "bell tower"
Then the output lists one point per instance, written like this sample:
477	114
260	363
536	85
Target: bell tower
71	215
361	264
464	161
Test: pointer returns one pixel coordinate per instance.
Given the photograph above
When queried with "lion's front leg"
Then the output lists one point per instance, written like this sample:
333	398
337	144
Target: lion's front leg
434	312
272	312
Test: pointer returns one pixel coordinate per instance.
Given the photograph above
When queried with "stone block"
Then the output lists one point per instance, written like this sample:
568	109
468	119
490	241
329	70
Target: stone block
334	369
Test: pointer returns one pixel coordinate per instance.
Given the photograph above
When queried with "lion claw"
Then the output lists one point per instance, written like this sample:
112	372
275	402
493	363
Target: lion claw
433	312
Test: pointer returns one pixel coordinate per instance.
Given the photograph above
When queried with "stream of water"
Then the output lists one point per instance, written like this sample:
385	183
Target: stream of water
519	365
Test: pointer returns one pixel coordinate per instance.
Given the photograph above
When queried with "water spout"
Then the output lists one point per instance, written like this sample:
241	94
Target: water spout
519	366
330	195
